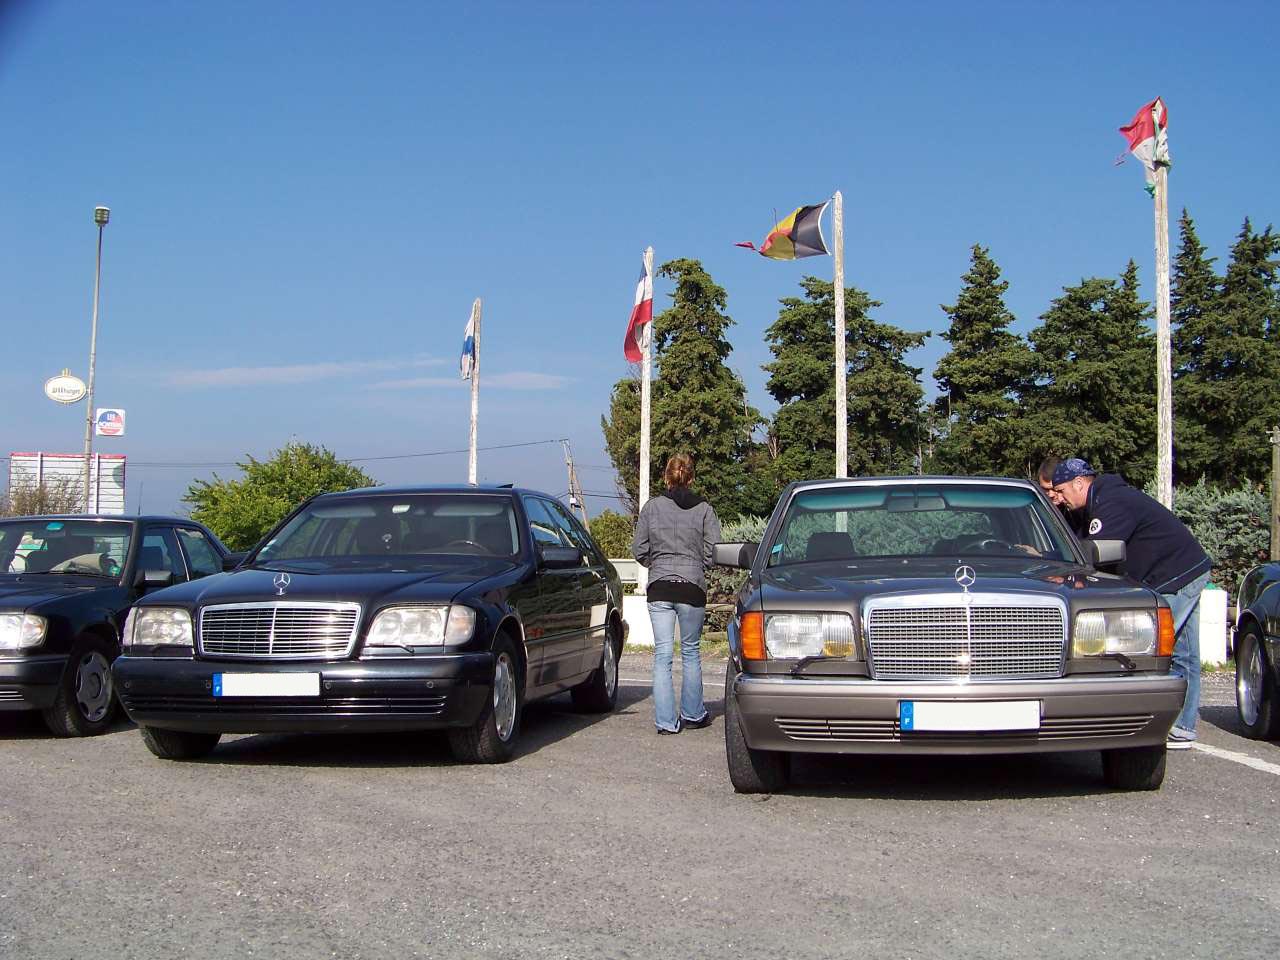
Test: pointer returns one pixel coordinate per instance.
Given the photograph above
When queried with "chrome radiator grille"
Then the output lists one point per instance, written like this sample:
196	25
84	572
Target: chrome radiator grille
288	630
941	637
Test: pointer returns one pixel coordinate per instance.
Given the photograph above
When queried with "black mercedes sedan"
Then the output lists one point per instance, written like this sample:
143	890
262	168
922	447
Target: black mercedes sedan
383	609
1257	651
67	584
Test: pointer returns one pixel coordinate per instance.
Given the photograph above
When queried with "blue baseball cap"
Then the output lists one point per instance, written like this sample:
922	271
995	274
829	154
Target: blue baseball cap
1071	468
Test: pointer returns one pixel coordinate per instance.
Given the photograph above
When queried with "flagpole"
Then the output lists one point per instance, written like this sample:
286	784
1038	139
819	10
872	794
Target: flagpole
475	393
1164	385
646	374
842	406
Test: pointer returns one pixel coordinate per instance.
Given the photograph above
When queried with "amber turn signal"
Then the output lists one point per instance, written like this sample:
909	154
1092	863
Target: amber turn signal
1166	638
751	634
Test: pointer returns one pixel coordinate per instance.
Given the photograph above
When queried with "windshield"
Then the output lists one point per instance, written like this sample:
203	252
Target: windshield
952	521
399	531
86	547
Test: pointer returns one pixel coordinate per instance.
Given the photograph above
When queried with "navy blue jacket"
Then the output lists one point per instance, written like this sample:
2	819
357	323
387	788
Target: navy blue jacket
1160	551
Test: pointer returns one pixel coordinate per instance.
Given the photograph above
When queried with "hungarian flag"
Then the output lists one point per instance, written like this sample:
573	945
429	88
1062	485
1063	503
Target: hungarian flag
641	315
1149	140
796	236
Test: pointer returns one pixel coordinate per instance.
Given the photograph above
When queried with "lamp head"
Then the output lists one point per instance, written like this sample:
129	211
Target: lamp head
101	215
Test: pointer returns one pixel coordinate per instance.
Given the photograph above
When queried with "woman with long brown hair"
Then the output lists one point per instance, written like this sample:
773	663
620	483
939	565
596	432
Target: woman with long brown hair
675	537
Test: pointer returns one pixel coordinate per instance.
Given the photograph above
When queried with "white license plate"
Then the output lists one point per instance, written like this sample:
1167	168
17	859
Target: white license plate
266	684
946	715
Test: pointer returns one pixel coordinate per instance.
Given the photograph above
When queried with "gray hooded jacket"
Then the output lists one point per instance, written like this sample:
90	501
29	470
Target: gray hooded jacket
675	537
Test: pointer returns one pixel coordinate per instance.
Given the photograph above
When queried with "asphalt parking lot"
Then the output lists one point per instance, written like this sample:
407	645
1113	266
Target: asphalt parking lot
603	840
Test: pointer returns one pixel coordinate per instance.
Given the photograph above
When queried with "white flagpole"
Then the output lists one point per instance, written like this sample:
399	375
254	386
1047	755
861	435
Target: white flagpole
646	373
842	406
1164	362
475	392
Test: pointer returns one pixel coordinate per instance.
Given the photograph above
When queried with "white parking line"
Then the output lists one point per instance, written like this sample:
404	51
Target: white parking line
1234	757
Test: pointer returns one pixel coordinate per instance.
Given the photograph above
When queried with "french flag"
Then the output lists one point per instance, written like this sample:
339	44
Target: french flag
641	315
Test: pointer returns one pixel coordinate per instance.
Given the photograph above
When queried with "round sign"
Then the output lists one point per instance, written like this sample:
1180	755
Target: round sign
110	422
65	388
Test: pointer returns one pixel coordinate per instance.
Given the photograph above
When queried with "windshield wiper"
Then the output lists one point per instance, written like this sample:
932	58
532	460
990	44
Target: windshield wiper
1120	658
805	661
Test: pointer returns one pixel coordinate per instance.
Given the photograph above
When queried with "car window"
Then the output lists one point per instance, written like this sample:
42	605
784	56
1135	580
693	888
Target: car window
915	520
88	547
546	531
573	530
159	551
202	558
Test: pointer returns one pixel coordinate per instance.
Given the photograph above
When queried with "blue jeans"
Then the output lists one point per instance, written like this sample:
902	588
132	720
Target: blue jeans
1185	605
663	615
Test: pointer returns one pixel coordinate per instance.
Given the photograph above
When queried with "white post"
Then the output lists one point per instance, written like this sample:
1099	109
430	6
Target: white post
842	405
1164	364
100	216
646	373
475	393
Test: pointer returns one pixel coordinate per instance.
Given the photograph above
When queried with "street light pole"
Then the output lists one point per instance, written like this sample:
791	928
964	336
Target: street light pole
100	216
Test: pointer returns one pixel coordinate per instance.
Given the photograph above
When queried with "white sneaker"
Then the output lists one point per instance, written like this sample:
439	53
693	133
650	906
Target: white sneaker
1180	739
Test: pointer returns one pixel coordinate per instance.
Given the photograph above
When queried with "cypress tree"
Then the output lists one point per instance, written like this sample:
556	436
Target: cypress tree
1193	313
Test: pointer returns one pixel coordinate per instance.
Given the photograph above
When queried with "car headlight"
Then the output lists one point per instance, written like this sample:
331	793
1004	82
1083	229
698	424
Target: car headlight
158	627
422	626
790	636
1100	632
21	631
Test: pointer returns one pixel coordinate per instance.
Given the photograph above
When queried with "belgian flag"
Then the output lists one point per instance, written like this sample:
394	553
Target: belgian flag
795	236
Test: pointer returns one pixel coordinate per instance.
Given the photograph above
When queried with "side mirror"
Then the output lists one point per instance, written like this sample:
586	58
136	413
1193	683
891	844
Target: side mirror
152	579
557	558
1106	553
741	555
233	560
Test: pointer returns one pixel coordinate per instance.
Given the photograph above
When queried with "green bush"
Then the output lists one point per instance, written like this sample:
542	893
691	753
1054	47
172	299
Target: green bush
1233	526
614	532
723	582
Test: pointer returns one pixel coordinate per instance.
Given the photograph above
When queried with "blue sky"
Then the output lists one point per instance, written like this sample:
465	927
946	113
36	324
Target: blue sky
306	197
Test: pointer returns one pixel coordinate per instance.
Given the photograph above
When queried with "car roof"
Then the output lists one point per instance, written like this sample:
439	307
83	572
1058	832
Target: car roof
912	478
506	490
104	517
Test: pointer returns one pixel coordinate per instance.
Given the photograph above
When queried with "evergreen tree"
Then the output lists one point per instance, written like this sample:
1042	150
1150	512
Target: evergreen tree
1193	315
1243	353
1094	394
883	393
699	405
980	377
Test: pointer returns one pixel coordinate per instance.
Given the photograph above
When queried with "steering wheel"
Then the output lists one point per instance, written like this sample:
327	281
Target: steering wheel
987	544
476	547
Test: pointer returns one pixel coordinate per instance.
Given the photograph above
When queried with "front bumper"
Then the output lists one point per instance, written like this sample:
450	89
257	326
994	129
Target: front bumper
421	693
855	715
30	683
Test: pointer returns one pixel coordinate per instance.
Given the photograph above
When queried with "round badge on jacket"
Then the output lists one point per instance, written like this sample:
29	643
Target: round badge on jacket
1095	527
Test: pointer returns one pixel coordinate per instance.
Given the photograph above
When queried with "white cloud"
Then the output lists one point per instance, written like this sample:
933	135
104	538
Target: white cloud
285	374
513	380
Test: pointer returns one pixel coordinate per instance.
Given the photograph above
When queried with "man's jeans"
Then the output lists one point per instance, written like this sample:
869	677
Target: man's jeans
663	616
1185	605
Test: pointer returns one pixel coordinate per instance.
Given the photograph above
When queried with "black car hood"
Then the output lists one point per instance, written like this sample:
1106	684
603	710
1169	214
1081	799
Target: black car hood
440	582
855	580
31	591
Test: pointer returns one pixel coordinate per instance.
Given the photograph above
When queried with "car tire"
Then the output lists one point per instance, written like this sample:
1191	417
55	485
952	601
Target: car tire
85	704
599	692
1134	768
491	739
1256	688
750	771
178	744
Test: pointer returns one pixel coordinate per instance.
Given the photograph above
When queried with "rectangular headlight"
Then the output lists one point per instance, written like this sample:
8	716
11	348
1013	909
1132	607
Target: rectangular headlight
1099	632
21	631
158	627
422	626
790	636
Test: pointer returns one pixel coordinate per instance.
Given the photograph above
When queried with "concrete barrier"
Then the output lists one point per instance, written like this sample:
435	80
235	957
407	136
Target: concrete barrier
1213	625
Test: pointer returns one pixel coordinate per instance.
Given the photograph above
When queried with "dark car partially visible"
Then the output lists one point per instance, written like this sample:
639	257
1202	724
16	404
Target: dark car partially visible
66	586
1257	652
384	609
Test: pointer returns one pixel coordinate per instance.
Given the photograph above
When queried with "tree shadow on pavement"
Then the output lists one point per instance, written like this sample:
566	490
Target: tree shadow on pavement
542	724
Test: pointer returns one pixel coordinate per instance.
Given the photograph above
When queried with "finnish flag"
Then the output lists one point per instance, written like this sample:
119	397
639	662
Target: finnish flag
467	362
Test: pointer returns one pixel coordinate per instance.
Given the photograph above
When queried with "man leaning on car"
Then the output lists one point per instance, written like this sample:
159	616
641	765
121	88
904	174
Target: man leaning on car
1160	553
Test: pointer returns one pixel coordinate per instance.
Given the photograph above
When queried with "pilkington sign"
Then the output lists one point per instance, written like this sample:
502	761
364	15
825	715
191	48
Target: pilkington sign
65	388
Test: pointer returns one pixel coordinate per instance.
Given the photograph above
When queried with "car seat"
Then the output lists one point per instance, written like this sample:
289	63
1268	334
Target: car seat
829	545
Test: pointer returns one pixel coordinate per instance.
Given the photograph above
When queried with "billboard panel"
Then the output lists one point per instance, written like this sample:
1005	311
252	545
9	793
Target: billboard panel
106	476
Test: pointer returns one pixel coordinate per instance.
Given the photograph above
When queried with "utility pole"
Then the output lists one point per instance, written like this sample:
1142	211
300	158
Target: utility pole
842	366
576	498
1275	494
100	216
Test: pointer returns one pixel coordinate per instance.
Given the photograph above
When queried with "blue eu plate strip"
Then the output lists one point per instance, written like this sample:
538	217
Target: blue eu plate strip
217	684
906	715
